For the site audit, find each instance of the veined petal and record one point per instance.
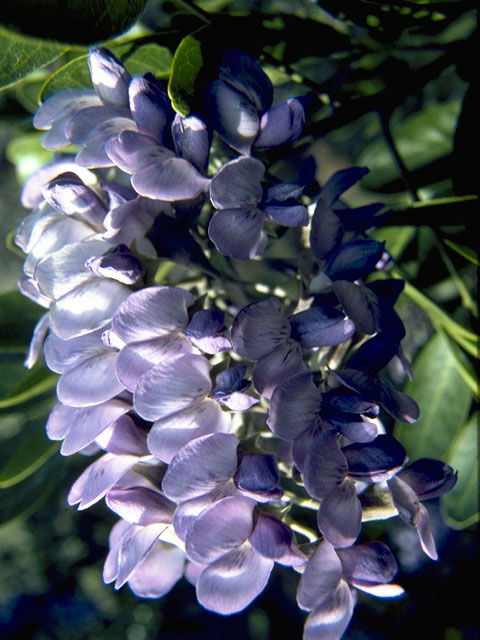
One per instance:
(330, 619)
(171, 180)
(278, 365)
(200, 466)
(150, 106)
(273, 539)
(140, 505)
(238, 233)
(159, 572)
(123, 437)
(87, 308)
(132, 151)
(258, 329)
(321, 326)
(325, 466)
(237, 184)
(62, 102)
(371, 562)
(61, 355)
(375, 461)
(173, 432)
(320, 578)
(191, 140)
(99, 478)
(219, 529)
(172, 386)
(135, 547)
(340, 515)
(88, 423)
(89, 122)
(152, 312)
(281, 124)
(229, 584)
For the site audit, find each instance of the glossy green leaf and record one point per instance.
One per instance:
(420, 139)
(33, 383)
(28, 496)
(461, 504)
(80, 21)
(444, 401)
(33, 452)
(187, 64)
(15, 333)
(21, 55)
(27, 154)
(150, 57)
(467, 252)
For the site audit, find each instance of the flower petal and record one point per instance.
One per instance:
(238, 233)
(159, 572)
(281, 124)
(236, 185)
(329, 620)
(320, 578)
(258, 329)
(340, 515)
(325, 466)
(140, 505)
(172, 179)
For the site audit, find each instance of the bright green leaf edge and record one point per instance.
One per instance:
(26, 460)
(186, 65)
(466, 252)
(36, 382)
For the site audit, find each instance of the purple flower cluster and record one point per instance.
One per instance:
(157, 378)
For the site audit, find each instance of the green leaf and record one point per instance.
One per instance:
(466, 252)
(461, 504)
(150, 57)
(79, 21)
(75, 74)
(444, 401)
(187, 64)
(33, 453)
(22, 55)
(31, 384)
(420, 139)
(27, 154)
(27, 496)
(15, 333)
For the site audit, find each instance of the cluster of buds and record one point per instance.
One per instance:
(215, 418)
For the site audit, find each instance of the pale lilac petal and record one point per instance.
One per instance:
(89, 122)
(188, 511)
(59, 422)
(325, 466)
(236, 185)
(31, 195)
(219, 529)
(123, 437)
(132, 151)
(117, 533)
(320, 578)
(99, 478)
(168, 435)
(340, 515)
(200, 466)
(172, 179)
(61, 355)
(172, 386)
(205, 330)
(238, 233)
(138, 357)
(68, 100)
(381, 590)
(422, 524)
(294, 406)
(329, 620)
(159, 572)
(36, 343)
(258, 329)
(283, 123)
(88, 423)
(109, 76)
(234, 580)
(87, 308)
(140, 505)
(275, 367)
(152, 312)
(90, 382)
(135, 547)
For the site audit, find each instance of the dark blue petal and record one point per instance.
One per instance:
(245, 73)
(230, 380)
(375, 461)
(360, 303)
(238, 233)
(237, 184)
(429, 478)
(191, 140)
(276, 366)
(371, 562)
(363, 218)
(347, 402)
(288, 216)
(258, 329)
(282, 124)
(256, 473)
(340, 182)
(321, 327)
(151, 108)
(325, 466)
(326, 232)
(354, 259)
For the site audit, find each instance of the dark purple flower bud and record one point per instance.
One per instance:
(429, 478)
(119, 264)
(321, 327)
(257, 476)
(205, 331)
(360, 303)
(372, 562)
(350, 403)
(340, 515)
(340, 182)
(281, 124)
(258, 329)
(229, 385)
(325, 465)
(109, 77)
(360, 219)
(326, 231)
(375, 461)
(70, 196)
(151, 108)
(191, 140)
(273, 539)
